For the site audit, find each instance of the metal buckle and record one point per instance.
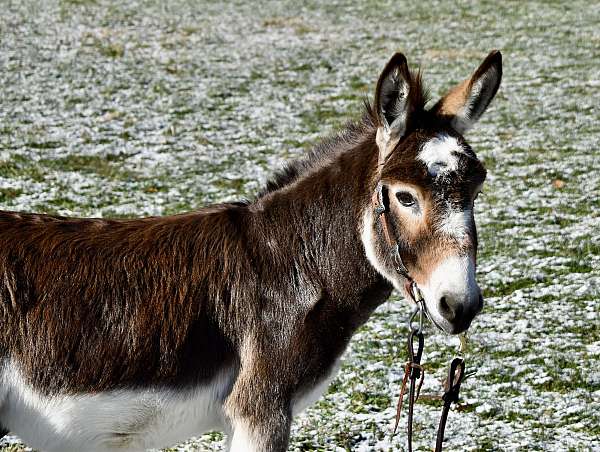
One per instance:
(400, 267)
(379, 208)
(416, 293)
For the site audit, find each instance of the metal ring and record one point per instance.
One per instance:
(417, 310)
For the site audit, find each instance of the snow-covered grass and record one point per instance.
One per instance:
(140, 108)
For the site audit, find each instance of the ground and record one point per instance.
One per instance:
(142, 108)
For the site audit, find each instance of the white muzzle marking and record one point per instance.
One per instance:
(451, 294)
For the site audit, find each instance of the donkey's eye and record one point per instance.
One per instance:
(406, 199)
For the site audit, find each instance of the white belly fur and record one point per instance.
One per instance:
(126, 420)
(132, 420)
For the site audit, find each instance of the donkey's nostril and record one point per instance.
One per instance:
(449, 310)
(444, 308)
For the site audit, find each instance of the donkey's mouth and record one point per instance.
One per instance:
(452, 328)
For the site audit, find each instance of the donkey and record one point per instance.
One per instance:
(139, 333)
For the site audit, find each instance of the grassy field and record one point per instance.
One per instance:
(142, 108)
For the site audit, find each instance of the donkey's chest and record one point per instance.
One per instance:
(131, 420)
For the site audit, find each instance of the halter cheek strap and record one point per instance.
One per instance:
(379, 209)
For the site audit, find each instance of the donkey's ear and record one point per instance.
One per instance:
(465, 103)
(392, 103)
(391, 94)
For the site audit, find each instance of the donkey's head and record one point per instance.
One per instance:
(429, 178)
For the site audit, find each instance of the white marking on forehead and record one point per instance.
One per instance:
(439, 154)
(457, 223)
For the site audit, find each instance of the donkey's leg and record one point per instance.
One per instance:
(258, 407)
(260, 416)
(254, 435)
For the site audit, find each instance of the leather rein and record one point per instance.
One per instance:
(413, 370)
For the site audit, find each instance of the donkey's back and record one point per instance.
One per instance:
(103, 322)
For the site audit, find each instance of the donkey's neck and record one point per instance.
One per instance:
(313, 227)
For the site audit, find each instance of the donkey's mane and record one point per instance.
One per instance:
(350, 135)
(353, 133)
